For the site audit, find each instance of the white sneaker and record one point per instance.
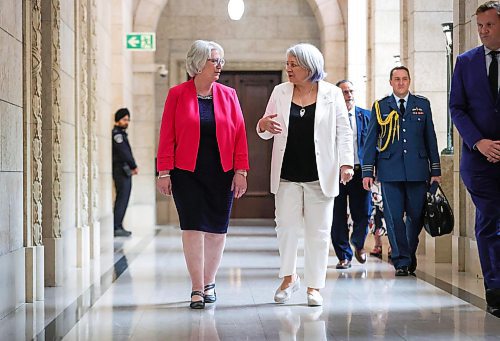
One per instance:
(281, 296)
(314, 298)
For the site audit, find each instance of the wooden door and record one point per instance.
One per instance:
(254, 90)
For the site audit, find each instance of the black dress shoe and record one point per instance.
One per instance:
(360, 255)
(402, 272)
(122, 233)
(493, 311)
(493, 298)
(343, 264)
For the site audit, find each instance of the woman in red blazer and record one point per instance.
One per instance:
(203, 162)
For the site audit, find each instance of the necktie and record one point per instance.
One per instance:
(493, 74)
(402, 106)
(350, 119)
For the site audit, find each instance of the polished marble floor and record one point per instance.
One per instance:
(145, 296)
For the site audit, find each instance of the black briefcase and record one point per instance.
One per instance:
(438, 215)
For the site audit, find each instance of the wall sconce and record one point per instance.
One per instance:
(235, 9)
(448, 32)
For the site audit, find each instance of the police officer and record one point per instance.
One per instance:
(401, 150)
(359, 198)
(124, 167)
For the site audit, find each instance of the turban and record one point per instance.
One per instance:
(121, 113)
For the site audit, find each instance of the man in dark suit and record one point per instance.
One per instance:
(475, 110)
(359, 198)
(124, 167)
(401, 147)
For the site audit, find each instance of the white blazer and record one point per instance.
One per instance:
(332, 134)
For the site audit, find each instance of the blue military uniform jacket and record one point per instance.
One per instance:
(123, 160)
(411, 156)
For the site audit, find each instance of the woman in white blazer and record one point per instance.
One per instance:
(307, 117)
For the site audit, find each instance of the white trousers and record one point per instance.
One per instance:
(303, 205)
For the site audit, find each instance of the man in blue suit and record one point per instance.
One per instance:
(475, 110)
(359, 198)
(401, 150)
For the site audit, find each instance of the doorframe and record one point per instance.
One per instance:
(177, 67)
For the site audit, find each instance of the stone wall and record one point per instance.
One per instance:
(383, 45)
(11, 155)
(11, 123)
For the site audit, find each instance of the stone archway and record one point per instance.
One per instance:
(331, 16)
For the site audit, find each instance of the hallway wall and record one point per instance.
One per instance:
(55, 132)
(11, 156)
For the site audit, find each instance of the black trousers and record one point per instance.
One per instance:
(123, 186)
(359, 206)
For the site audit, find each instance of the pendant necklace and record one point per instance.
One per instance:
(303, 109)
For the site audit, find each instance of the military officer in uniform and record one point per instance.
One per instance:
(353, 191)
(124, 167)
(401, 151)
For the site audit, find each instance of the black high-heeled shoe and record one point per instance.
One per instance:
(197, 304)
(210, 298)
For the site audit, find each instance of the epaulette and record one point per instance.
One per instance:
(422, 97)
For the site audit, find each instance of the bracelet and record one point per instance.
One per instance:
(163, 176)
(242, 172)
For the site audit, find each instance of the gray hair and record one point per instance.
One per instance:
(487, 6)
(198, 54)
(339, 83)
(310, 58)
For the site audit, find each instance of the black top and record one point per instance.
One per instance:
(208, 159)
(122, 153)
(299, 162)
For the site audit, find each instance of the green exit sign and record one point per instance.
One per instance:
(141, 41)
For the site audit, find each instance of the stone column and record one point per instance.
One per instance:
(356, 42)
(423, 51)
(143, 126)
(94, 223)
(51, 136)
(33, 151)
(82, 133)
(383, 45)
(465, 258)
(333, 27)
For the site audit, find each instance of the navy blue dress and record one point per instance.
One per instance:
(204, 198)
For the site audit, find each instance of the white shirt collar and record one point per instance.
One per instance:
(398, 98)
(487, 50)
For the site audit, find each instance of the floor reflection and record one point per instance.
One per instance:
(301, 323)
(203, 326)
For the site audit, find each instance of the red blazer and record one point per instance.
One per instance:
(180, 129)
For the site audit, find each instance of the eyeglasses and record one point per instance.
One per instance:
(290, 65)
(217, 61)
(347, 92)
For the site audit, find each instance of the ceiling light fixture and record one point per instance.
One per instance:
(235, 9)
